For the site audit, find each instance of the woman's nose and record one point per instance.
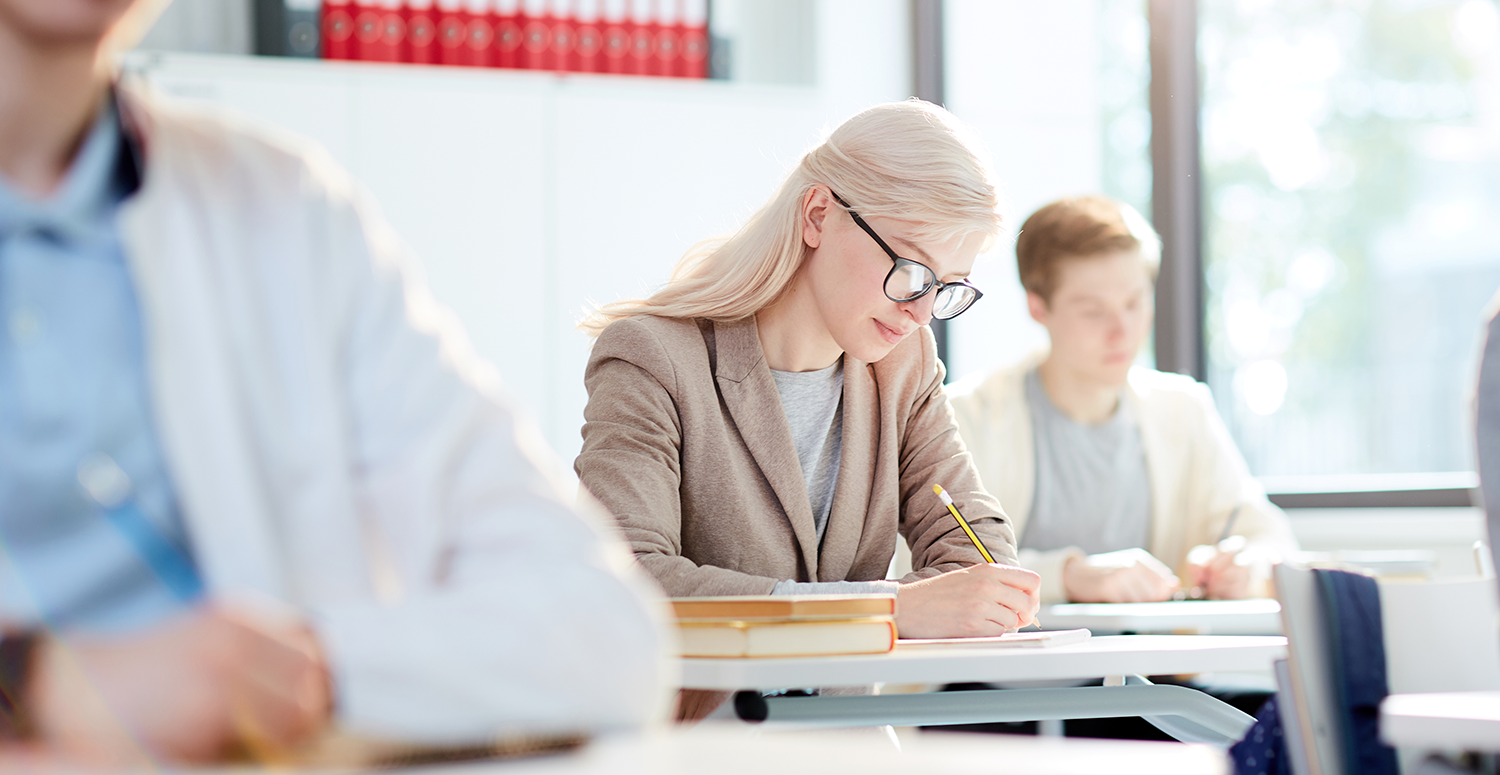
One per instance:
(919, 309)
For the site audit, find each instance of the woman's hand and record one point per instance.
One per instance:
(1126, 576)
(975, 601)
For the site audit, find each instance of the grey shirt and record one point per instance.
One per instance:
(1092, 489)
(814, 406)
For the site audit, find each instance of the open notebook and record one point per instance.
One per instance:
(1010, 639)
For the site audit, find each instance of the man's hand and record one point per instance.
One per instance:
(1223, 571)
(189, 690)
(1126, 576)
(974, 601)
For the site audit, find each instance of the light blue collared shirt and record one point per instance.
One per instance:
(90, 533)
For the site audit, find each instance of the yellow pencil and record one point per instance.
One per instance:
(969, 531)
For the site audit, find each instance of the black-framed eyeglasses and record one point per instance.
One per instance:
(911, 280)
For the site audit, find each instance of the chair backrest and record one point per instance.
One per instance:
(1318, 727)
(1438, 636)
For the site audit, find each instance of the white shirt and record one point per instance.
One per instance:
(337, 446)
(1197, 476)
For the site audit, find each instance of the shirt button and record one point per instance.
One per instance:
(24, 326)
(104, 480)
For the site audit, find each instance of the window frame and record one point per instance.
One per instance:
(1177, 207)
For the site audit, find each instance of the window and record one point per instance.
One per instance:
(1351, 214)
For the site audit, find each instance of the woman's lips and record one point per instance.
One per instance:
(890, 334)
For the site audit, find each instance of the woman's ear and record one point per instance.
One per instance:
(816, 205)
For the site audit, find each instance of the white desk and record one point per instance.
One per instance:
(1120, 660)
(1466, 721)
(1097, 657)
(819, 753)
(706, 749)
(1203, 617)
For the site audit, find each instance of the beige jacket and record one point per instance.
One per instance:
(1197, 474)
(685, 441)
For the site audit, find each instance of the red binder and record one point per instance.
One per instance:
(508, 33)
(536, 35)
(393, 46)
(668, 27)
(643, 60)
(337, 25)
(421, 32)
(367, 29)
(479, 47)
(588, 37)
(563, 51)
(452, 31)
(693, 46)
(616, 18)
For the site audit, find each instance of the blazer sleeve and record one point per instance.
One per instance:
(498, 604)
(933, 453)
(631, 459)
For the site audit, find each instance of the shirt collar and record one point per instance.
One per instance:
(103, 173)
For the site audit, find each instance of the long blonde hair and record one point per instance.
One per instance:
(911, 161)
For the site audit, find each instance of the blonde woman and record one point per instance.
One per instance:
(773, 418)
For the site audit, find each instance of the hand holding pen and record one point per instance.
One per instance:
(1217, 571)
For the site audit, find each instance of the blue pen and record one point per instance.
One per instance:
(110, 487)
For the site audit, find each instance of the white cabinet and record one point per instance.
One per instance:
(527, 196)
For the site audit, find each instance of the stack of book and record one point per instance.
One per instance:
(630, 37)
(786, 625)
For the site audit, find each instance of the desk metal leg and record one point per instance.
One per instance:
(1214, 721)
(1185, 714)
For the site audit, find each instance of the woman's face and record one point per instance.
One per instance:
(845, 276)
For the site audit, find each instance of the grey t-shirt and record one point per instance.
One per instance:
(1092, 489)
(814, 406)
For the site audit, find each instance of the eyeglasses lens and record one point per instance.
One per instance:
(952, 300)
(907, 282)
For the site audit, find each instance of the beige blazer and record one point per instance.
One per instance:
(685, 441)
(1197, 475)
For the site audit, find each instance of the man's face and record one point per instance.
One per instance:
(64, 22)
(1099, 315)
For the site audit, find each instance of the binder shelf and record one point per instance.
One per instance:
(666, 38)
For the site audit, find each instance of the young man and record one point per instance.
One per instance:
(252, 481)
(1112, 474)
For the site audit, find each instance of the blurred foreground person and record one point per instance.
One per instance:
(253, 484)
(1123, 482)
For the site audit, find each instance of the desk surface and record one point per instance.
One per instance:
(1467, 721)
(1206, 617)
(1097, 657)
(736, 752)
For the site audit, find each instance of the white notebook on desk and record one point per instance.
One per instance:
(1008, 640)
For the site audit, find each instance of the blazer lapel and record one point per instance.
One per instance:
(851, 494)
(750, 395)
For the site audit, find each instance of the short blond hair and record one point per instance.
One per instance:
(1077, 228)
